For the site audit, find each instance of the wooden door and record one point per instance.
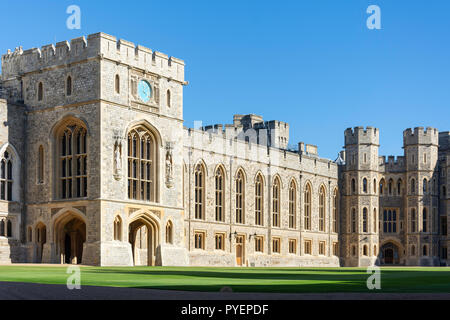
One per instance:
(239, 250)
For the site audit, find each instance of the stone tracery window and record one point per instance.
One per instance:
(322, 208)
(276, 202)
(240, 193)
(307, 204)
(142, 165)
(335, 211)
(6, 177)
(199, 185)
(72, 144)
(259, 209)
(292, 205)
(220, 194)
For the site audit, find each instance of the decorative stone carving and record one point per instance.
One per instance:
(169, 165)
(117, 156)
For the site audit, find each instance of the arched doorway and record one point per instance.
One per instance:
(41, 239)
(390, 254)
(144, 239)
(70, 236)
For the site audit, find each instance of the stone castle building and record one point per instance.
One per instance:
(97, 168)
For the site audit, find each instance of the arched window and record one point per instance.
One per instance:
(364, 220)
(399, 187)
(6, 177)
(425, 183)
(381, 186)
(2, 228)
(353, 229)
(240, 193)
(69, 86)
(40, 172)
(413, 186)
(276, 202)
(292, 205)
(390, 186)
(353, 186)
(118, 228)
(9, 229)
(259, 207)
(307, 205)
(335, 211)
(413, 220)
(365, 185)
(169, 232)
(199, 184)
(375, 186)
(375, 250)
(169, 97)
(142, 165)
(40, 91)
(220, 194)
(425, 220)
(365, 253)
(117, 84)
(322, 208)
(72, 161)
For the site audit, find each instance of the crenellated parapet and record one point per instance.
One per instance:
(392, 164)
(361, 135)
(18, 62)
(420, 135)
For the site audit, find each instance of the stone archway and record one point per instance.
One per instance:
(390, 254)
(144, 240)
(70, 236)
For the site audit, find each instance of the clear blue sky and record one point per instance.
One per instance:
(312, 63)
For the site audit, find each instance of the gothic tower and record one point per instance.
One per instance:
(360, 206)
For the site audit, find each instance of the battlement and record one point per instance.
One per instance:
(428, 136)
(18, 62)
(444, 141)
(361, 135)
(392, 164)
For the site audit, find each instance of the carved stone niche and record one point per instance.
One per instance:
(117, 154)
(169, 165)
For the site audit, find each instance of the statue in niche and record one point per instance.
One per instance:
(169, 165)
(118, 160)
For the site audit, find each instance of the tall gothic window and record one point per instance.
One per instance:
(142, 165)
(365, 185)
(425, 184)
(199, 183)
(6, 177)
(424, 220)
(322, 206)
(335, 211)
(364, 220)
(169, 232)
(390, 221)
(40, 91)
(259, 192)
(69, 86)
(169, 98)
(307, 205)
(117, 83)
(399, 187)
(413, 220)
(118, 228)
(353, 220)
(374, 220)
(276, 202)
(292, 205)
(413, 186)
(40, 172)
(220, 194)
(73, 162)
(240, 193)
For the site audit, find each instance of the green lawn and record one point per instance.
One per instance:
(240, 279)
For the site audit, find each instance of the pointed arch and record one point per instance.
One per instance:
(118, 228)
(168, 98)
(240, 195)
(276, 201)
(335, 210)
(68, 86)
(199, 190)
(219, 180)
(292, 204)
(322, 207)
(307, 196)
(259, 199)
(10, 173)
(169, 232)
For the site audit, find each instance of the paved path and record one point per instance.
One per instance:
(32, 291)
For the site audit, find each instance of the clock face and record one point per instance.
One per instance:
(144, 91)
